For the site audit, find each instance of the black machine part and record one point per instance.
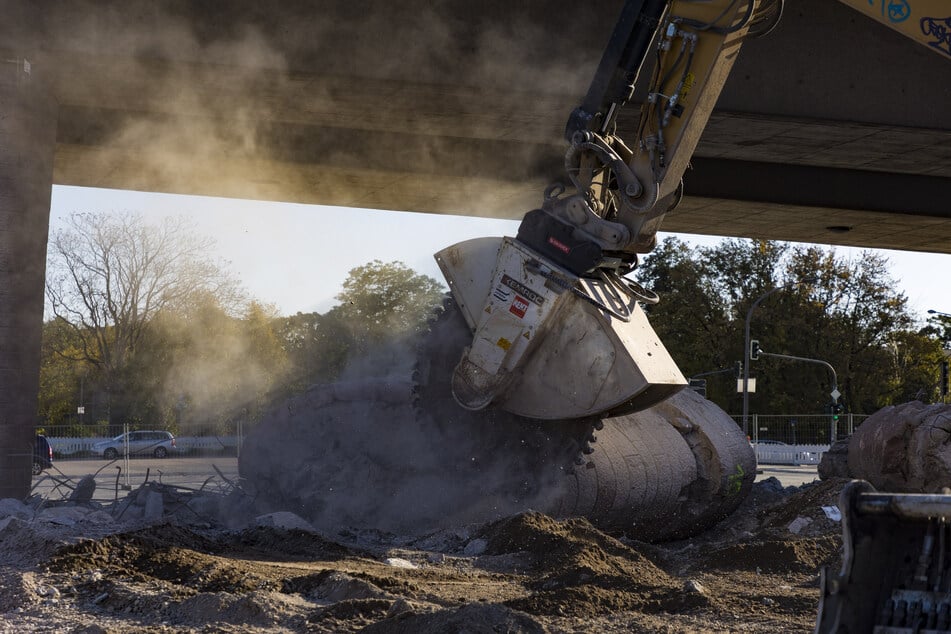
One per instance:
(896, 569)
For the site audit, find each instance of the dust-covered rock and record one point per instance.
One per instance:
(904, 448)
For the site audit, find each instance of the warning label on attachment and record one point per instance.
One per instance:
(519, 306)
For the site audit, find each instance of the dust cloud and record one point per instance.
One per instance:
(388, 448)
(307, 102)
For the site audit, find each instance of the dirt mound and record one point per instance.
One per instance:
(582, 569)
(350, 615)
(277, 543)
(805, 555)
(568, 545)
(811, 506)
(475, 618)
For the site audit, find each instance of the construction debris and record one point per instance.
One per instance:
(210, 561)
(902, 448)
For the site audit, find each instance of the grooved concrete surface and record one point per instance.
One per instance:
(831, 121)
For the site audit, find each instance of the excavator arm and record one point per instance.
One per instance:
(557, 329)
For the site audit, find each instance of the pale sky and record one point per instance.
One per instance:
(297, 256)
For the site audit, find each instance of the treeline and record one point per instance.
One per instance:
(847, 312)
(145, 330)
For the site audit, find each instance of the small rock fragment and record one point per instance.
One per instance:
(796, 526)
(154, 506)
(398, 562)
(285, 520)
(694, 587)
(84, 490)
(11, 507)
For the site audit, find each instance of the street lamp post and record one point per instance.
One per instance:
(946, 344)
(746, 347)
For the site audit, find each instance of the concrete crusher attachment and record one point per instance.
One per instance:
(395, 452)
(896, 569)
(548, 344)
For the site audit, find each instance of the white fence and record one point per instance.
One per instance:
(778, 453)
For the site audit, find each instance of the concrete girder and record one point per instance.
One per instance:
(459, 108)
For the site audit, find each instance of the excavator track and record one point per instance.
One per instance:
(393, 451)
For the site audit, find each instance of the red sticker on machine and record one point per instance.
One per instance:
(519, 306)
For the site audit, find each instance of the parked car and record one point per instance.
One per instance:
(140, 443)
(42, 454)
(778, 452)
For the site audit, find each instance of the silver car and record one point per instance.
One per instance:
(778, 452)
(140, 443)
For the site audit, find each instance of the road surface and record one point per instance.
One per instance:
(787, 474)
(114, 478)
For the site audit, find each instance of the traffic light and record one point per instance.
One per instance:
(836, 409)
(754, 349)
(738, 370)
(944, 379)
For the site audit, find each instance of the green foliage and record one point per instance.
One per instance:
(201, 362)
(939, 327)
(108, 277)
(317, 347)
(847, 313)
(382, 302)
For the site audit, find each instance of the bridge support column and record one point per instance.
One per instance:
(27, 144)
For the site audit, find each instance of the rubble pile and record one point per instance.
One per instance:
(163, 558)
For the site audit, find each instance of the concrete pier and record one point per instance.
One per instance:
(27, 144)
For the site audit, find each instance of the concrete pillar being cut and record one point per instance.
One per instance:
(27, 143)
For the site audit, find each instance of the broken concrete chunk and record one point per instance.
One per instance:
(475, 548)
(285, 520)
(398, 562)
(84, 490)
(796, 526)
(154, 506)
(10, 507)
(694, 587)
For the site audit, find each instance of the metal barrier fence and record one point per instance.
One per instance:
(801, 429)
(76, 443)
(796, 439)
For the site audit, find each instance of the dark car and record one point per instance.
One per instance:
(42, 455)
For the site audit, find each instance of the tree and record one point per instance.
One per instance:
(386, 301)
(204, 367)
(109, 275)
(60, 378)
(692, 318)
(939, 327)
(317, 347)
(845, 312)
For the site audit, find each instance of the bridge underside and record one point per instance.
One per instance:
(832, 129)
